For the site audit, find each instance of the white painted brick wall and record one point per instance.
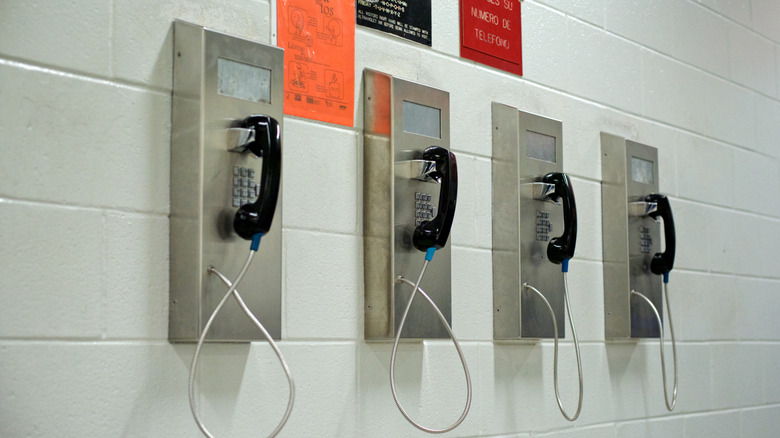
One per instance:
(737, 10)
(764, 14)
(85, 136)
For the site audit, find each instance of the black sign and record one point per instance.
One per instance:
(410, 19)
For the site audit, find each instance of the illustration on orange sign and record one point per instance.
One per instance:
(318, 38)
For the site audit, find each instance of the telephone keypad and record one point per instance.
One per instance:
(423, 209)
(543, 226)
(245, 188)
(645, 240)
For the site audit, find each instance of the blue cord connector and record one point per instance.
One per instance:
(256, 241)
(666, 277)
(429, 253)
(565, 265)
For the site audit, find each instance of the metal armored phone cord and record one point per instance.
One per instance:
(669, 405)
(574, 337)
(234, 292)
(428, 258)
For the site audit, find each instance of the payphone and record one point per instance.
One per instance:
(633, 212)
(226, 163)
(534, 232)
(410, 186)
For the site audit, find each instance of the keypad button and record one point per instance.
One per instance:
(251, 173)
(236, 181)
(236, 170)
(244, 171)
(236, 191)
(251, 183)
(236, 202)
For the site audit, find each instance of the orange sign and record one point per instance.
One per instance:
(318, 38)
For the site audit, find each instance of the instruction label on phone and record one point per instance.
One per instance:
(318, 38)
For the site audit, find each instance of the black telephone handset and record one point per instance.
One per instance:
(562, 248)
(663, 261)
(254, 218)
(434, 233)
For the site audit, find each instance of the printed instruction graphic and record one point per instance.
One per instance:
(318, 38)
(298, 72)
(297, 21)
(334, 27)
(335, 83)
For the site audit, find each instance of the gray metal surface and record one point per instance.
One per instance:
(629, 241)
(389, 207)
(201, 233)
(522, 227)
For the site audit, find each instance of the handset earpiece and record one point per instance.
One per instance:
(254, 218)
(434, 233)
(663, 262)
(562, 248)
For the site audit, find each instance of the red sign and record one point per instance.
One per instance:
(490, 33)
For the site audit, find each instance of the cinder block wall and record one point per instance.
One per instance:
(85, 135)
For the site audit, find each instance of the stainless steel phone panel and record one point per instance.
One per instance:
(522, 227)
(202, 185)
(629, 239)
(390, 204)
